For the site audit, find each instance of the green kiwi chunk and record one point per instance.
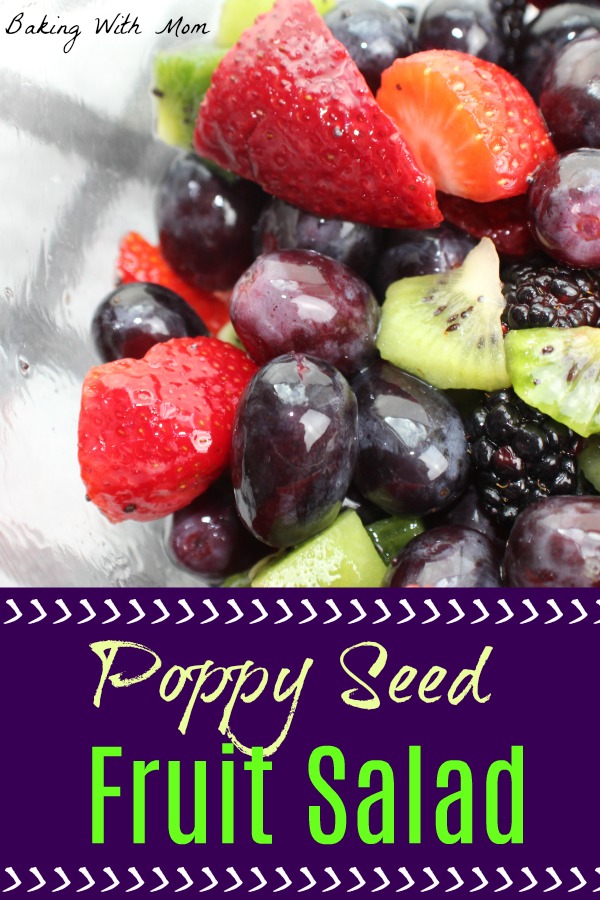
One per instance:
(446, 328)
(237, 15)
(181, 79)
(228, 335)
(390, 535)
(341, 555)
(557, 370)
(588, 461)
(241, 579)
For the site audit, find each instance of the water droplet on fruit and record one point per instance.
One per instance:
(201, 441)
(141, 397)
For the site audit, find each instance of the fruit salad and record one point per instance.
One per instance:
(366, 350)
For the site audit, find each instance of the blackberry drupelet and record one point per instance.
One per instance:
(545, 294)
(518, 455)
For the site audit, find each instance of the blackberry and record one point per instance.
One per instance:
(545, 294)
(518, 455)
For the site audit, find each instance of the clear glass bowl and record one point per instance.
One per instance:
(78, 168)
(78, 165)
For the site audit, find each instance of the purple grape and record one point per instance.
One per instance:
(408, 252)
(412, 455)
(546, 34)
(469, 512)
(447, 556)
(137, 315)
(570, 97)
(298, 300)
(555, 543)
(374, 34)
(208, 537)
(564, 207)
(205, 223)
(282, 226)
(294, 449)
(470, 26)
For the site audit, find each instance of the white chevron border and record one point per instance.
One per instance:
(373, 881)
(253, 612)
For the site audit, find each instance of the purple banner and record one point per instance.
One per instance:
(403, 742)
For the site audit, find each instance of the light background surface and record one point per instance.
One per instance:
(78, 165)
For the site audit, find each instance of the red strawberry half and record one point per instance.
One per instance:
(470, 124)
(141, 261)
(155, 432)
(288, 108)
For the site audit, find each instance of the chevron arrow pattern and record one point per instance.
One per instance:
(427, 880)
(302, 612)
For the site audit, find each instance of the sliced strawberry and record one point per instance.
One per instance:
(288, 108)
(504, 221)
(155, 432)
(141, 261)
(470, 124)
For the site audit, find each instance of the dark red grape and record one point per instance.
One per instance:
(294, 449)
(469, 511)
(282, 226)
(570, 97)
(408, 252)
(205, 223)
(447, 556)
(471, 26)
(374, 34)
(412, 455)
(299, 300)
(544, 36)
(208, 537)
(137, 315)
(555, 543)
(564, 207)
(504, 221)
